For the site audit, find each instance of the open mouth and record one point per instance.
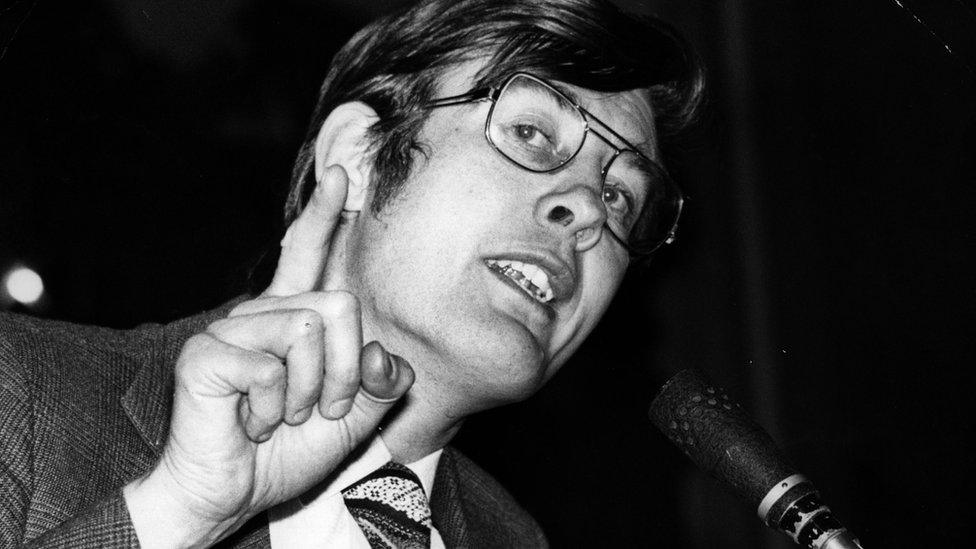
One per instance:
(531, 278)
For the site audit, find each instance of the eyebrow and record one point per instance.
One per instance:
(645, 144)
(575, 99)
(649, 151)
(548, 93)
(653, 170)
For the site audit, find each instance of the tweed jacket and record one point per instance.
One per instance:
(83, 410)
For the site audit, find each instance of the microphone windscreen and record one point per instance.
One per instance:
(714, 431)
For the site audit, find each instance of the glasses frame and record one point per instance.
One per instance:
(492, 93)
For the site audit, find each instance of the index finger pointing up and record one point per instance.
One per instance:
(305, 247)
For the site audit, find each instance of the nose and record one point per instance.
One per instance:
(577, 212)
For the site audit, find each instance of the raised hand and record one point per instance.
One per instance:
(269, 400)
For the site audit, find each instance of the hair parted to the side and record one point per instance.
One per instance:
(394, 64)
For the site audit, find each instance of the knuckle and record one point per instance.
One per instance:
(305, 321)
(270, 373)
(241, 309)
(200, 353)
(197, 347)
(249, 306)
(218, 326)
(339, 304)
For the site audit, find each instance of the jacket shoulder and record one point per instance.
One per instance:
(82, 407)
(38, 344)
(65, 442)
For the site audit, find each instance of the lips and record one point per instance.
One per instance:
(542, 277)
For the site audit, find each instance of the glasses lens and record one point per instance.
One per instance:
(534, 125)
(540, 129)
(643, 202)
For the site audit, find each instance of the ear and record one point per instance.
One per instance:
(343, 141)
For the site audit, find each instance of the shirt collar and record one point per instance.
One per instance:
(372, 457)
(425, 468)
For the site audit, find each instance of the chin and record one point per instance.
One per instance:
(510, 368)
(480, 355)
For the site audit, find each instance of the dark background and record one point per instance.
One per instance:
(823, 276)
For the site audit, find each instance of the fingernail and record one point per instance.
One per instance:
(302, 415)
(339, 408)
(402, 364)
(388, 367)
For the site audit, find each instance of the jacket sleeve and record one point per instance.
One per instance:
(105, 524)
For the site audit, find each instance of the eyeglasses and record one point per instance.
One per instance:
(539, 128)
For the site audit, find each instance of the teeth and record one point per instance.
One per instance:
(529, 277)
(538, 278)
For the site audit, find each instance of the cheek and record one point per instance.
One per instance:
(432, 228)
(601, 276)
(460, 192)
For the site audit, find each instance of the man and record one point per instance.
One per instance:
(477, 179)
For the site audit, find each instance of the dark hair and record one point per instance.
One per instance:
(394, 64)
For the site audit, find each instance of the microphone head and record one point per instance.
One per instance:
(714, 431)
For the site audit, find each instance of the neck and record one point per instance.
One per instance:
(412, 431)
(423, 421)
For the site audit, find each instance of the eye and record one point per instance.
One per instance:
(612, 196)
(525, 132)
(620, 204)
(530, 141)
(529, 134)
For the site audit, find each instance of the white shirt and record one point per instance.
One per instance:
(325, 521)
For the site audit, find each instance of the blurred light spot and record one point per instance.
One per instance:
(24, 285)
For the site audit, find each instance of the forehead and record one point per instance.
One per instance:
(628, 113)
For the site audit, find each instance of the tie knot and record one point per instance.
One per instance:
(391, 508)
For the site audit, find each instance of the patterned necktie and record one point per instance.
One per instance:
(391, 508)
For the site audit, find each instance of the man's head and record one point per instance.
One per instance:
(394, 63)
(454, 228)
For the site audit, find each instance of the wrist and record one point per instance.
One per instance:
(163, 520)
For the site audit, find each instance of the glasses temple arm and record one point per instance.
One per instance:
(482, 94)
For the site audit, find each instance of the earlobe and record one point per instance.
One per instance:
(343, 140)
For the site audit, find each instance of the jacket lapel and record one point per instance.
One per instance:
(149, 399)
(446, 507)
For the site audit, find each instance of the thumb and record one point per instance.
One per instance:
(385, 378)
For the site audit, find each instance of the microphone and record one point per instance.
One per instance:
(719, 437)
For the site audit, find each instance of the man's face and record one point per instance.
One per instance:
(425, 269)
